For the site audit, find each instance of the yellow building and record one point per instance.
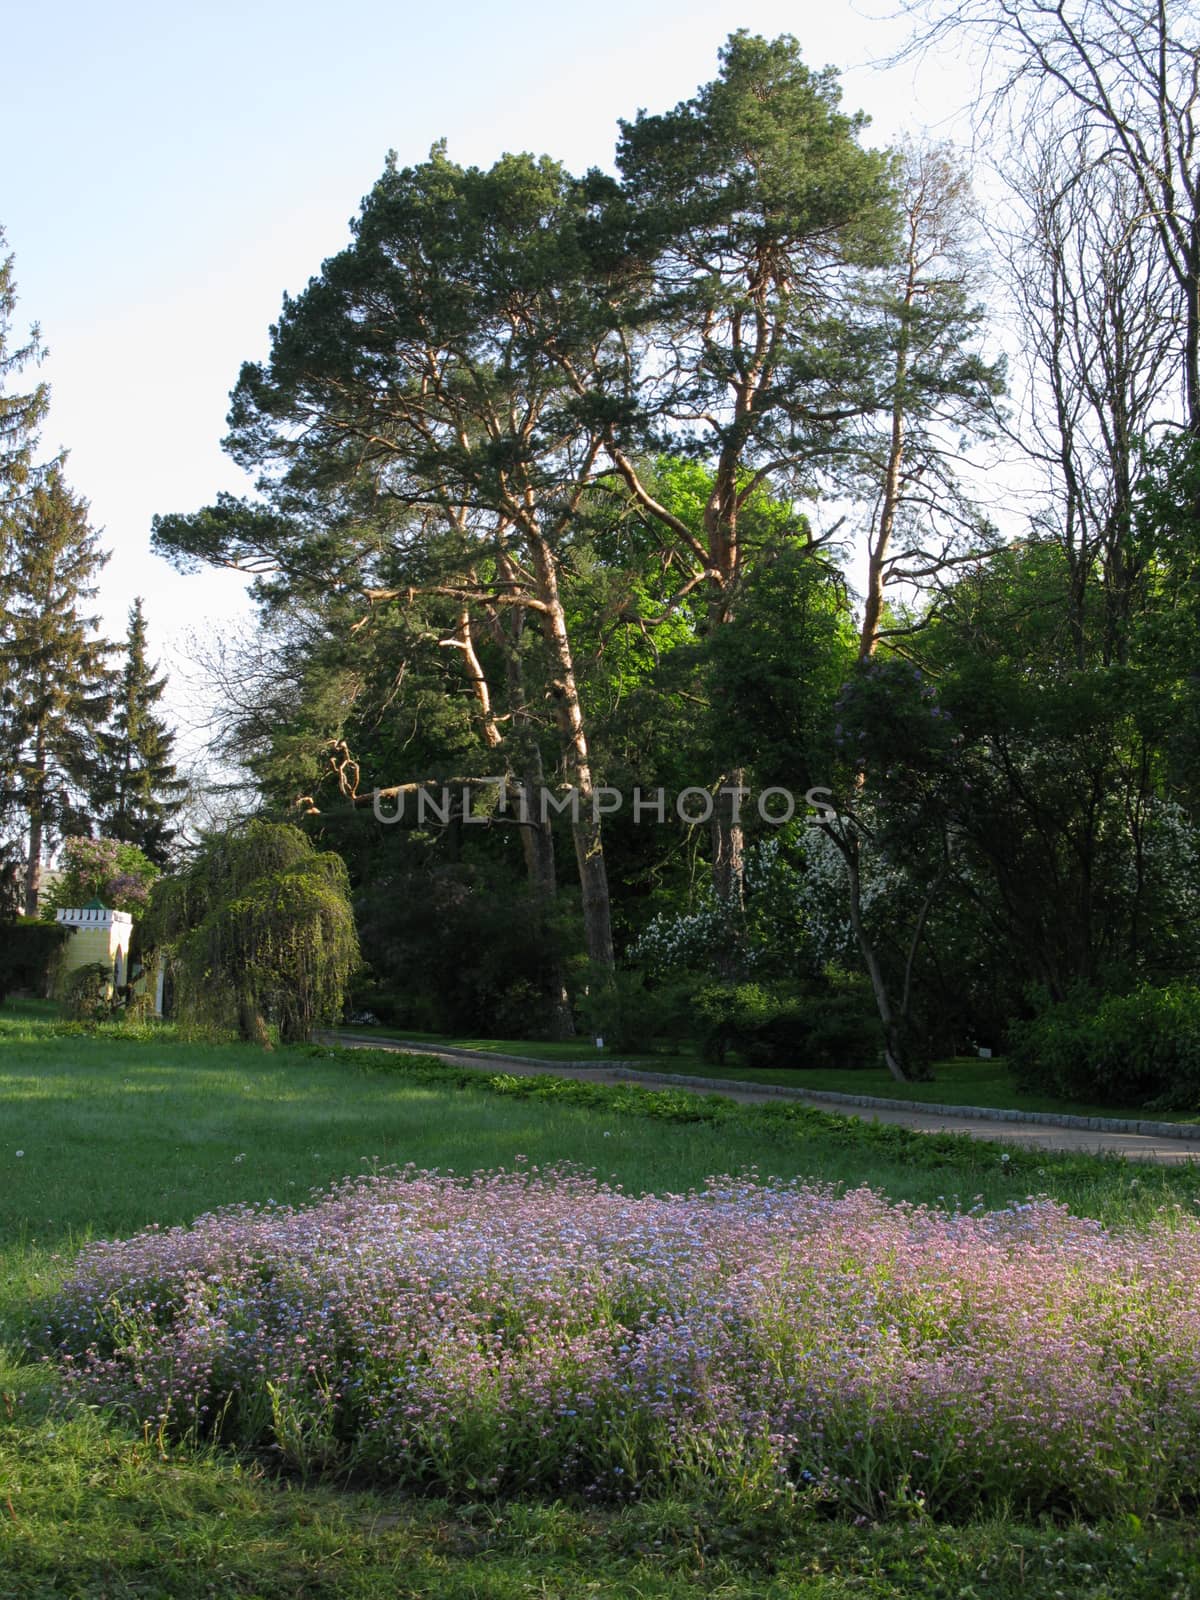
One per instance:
(98, 935)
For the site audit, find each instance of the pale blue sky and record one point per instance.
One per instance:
(178, 168)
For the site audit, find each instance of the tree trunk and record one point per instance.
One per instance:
(593, 879)
(721, 531)
(537, 836)
(585, 823)
(1191, 338)
(33, 862)
(893, 1032)
(729, 843)
(252, 1025)
(889, 504)
(537, 843)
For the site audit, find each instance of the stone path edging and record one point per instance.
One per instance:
(666, 1080)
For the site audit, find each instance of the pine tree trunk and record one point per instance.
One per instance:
(728, 843)
(537, 837)
(890, 501)
(37, 800)
(537, 842)
(593, 880)
(585, 823)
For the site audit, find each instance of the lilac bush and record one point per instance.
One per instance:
(120, 875)
(529, 1331)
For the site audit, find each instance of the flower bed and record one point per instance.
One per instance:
(541, 1332)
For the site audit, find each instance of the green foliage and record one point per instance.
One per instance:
(259, 928)
(87, 993)
(28, 951)
(57, 693)
(20, 414)
(522, 291)
(137, 790)
(1139, 1049)
(459, 946)
(893, 728)
(632, 1014)
(830, 1027)
(760, 160)
(1167, 536)
(119, 875)
(774, 669)
(692, 353)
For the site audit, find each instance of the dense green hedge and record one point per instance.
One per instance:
(27, 948)
(1139, 1049)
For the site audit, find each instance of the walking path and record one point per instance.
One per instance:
(1166, 1142)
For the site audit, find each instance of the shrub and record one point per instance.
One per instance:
(843, 1029)
(828, 1027)
(631, 1014)
(87, 994)
(138, 1010)
(27, 954)
(393, 1008)
(1140, 1049)
(733, 1014)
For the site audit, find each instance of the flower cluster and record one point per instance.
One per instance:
(822, 898)
(687, 939)
(541, 1331)
(769, 931)
(118, 874)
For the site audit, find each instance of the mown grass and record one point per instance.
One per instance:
(964, 1081)
(574, 1050)
(118, 1132)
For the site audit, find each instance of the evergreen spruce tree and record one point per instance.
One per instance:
(138, 791)
(21, 414)
(61, 686)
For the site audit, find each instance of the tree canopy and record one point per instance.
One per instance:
(557, 482)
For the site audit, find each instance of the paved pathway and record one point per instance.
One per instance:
(1046, 1135)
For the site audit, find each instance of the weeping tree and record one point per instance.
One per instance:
(258, 929)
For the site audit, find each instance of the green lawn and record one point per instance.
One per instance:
(116, 1132)
(966, 1081)
(571, 1050)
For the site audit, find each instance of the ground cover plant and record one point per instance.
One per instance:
(123, 1127)
(545, 1333)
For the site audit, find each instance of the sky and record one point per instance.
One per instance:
(180, 167)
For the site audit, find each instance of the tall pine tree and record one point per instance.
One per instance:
(61, 686)
(138, 791)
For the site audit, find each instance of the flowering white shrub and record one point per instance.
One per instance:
(770, 932)
(685, 940)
